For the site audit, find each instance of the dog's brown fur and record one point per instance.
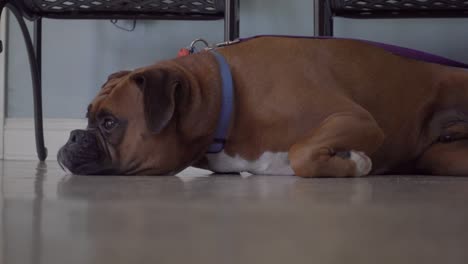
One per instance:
(311, 98)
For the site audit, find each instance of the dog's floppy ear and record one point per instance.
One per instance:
(160, 88)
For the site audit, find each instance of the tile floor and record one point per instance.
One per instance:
(49, 217)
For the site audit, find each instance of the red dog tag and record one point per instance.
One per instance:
(183, 52)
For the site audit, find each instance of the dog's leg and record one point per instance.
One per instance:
(450, 159)
(339, 147)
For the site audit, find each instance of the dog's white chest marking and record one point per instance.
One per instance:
(268, 163)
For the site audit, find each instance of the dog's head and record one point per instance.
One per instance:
(138, 124)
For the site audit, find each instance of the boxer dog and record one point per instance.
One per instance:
(305, 107)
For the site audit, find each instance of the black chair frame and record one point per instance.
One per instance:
(325, 10)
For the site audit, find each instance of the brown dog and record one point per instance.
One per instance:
(309, 107)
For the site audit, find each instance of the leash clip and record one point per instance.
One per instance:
(210, 47)
(227, 43)
(192, 48)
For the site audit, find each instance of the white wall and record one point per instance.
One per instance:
(446, 37)
(79, 55)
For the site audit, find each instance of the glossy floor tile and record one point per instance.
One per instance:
(49, 217)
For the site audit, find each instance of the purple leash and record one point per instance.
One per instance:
(397, 50)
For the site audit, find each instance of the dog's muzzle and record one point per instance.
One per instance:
(83, 154)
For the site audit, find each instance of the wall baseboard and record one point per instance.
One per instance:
(19, 141)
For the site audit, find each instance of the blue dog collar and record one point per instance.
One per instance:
(226, 105)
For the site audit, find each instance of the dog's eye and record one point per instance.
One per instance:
(109, 123)
(446, 138)
(450, 138)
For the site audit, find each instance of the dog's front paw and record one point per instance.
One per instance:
(362, 161)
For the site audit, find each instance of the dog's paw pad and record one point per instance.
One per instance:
(362, 161)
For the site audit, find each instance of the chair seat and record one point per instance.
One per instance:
(404, 8)
(122, 9)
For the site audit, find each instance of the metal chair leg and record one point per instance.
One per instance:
(323, 19)
(317, 17)
(38, 116)
(2, 7)
(38, 45)
(231, 20)
(36, 79)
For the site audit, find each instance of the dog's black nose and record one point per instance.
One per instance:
(78, 136)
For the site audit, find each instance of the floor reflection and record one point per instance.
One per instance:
(36, 240)
(50, 217)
